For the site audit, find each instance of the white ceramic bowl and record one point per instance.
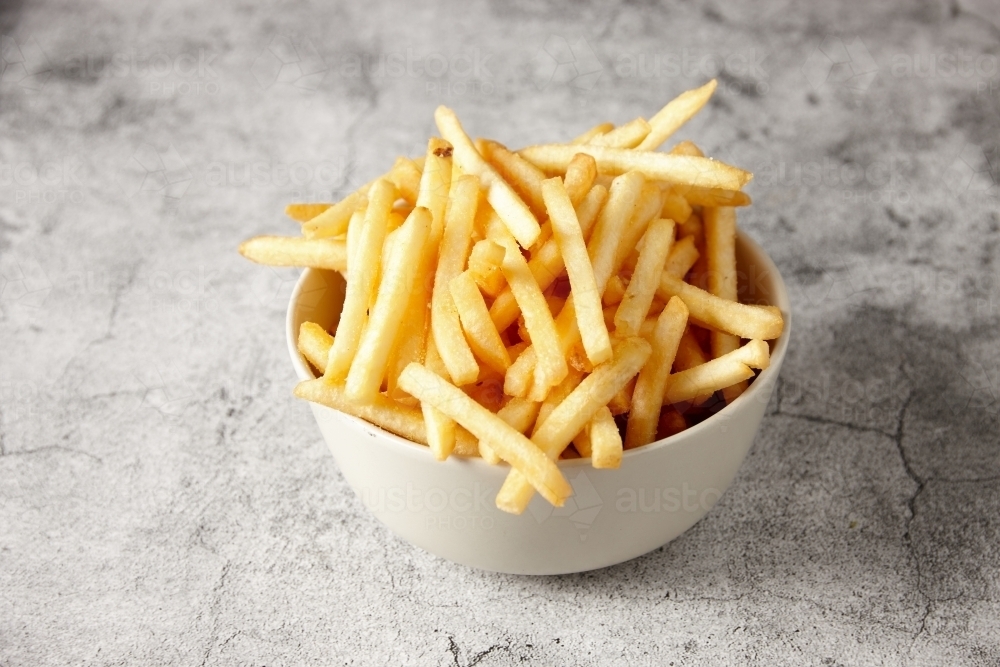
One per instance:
(446, 507)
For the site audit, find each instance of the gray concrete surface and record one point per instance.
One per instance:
(164, 499)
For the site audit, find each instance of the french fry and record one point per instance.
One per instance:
(354, 232)
(330, 254)
(587, 298)
(439, 427)
(445, 325)
(675, 206)
(520, 414)
(621, 402)
(314, 344)
(720, 251)
(479, 330)
(679, 169)
(511, 208)
(557, 396)
(524, 177)
(605, 440)
(647, 209)
(547, 263)
(610, 226)
(677, 112)
(524, 456)
(517, 381)
(369, 364)
(385, 413)
(537, 317)
(683, 255)
(362, 271)
(484, 266)
(629, 135)
(689, 355)
(406, 176)
(333, 221)
(687, 147)
(718, 373)
(435, 184)
(642, 287)
(671, 423)
(739, 319)
(613, 295)
(702, 196)
(580, 175)
(647, 398)
(305, 212)
(593, 133)
(572, 415)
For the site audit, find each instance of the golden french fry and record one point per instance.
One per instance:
(593, 133)
(480, 332)
(605, 440)
(537, 317)
(557, 395)
(682, 257)
(687, 147)
(517, 381)
(703, 196)
(524, 177)
(613, 295)
(629, 135)
(679, 169)
(385, 413)
(370, 362)
(406, 176)
(435, 184)
(305, 212)
(720, 252)
(647, 398)
(740, 319)
(333, 221)
(572, 415)
(314, 344)
(647, 209)
(484, 265)
(675, 206)
(445, 325)
(642, 287)
(719, 373)
(621, 402)
(520, 414)
(523, 455)
(511, 208)
(362, 271)
(440, 428)
(610, 226)
(330, 254)
(354, 232)
(677, 112)
(587, 297)
(580, 175)
(546, 263)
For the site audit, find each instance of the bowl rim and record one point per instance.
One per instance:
(779, 298)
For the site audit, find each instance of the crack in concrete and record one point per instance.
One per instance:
(456, 650)
(49, 448)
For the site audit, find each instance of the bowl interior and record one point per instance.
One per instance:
(319, 295)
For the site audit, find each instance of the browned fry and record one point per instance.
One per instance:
(720, 251)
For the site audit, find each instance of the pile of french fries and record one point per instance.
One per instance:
(565, 300)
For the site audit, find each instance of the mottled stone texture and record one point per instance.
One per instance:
(165, 501)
